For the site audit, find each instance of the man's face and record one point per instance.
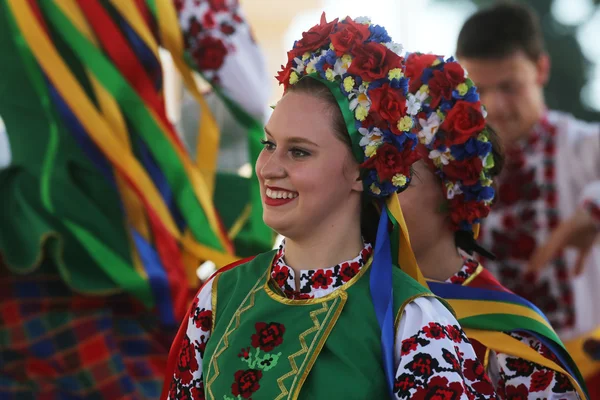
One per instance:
(511, 89)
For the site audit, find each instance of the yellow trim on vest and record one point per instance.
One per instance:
(213, 300)
(403, 306)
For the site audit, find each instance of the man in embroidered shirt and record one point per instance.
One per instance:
(550, 181)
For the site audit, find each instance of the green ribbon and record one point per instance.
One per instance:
(139, 114)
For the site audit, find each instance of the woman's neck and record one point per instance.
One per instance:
(440, 261)
(324, 249)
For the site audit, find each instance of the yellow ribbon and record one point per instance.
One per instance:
(208, 130)
(406, 257)
(474, 308)
(503, 343)
(97, 126)
(587, 366)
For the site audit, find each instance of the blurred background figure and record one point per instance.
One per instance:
(549, 191)
(106, 208)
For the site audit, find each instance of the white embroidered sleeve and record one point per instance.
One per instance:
(519, 378)
(434, 357)
(187, 380)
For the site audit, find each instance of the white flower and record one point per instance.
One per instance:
(367, 135)
(421, 95)
(440, 158)
(363, 20)
(429, 128)
(453, 189)
(395, 47)
(414, 105)
(299, 66)
(359, 98)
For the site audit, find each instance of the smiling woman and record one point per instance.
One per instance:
(339, 143)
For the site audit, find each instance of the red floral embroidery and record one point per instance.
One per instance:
(540, 380)
(348, 270)
(408, 345)
(450, 359)
(454, 333)
(475, 371)
(188, 364)
(439, 388)
(468, 269)
(517, 392)
(519, 366)
(403, 385)
(322, 279)
(423, 365)
(246, 382)
(268, 336)
(434, 331)
(203, 319)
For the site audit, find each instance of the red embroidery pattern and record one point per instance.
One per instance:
(468, 269)
(526, 207)
(448, 377)
(319, 279)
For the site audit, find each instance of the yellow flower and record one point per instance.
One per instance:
(424, 89)
(395, 73)
(305, 56)
(405, 123)
(371, 150)
(293, 78)
(399, 180)
(310, 68)
(346, 58)
(330, 75)
(436, 62)
(361, 113)
(331, 46)
(462, 89)
(349, 84)
(375, 189)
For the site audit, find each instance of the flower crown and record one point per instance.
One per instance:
(362, 66)
(453, 136)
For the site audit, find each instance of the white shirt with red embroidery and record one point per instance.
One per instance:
(517, 378)
(544, 181)
(433, 357)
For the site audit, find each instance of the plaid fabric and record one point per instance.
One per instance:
(55, 344)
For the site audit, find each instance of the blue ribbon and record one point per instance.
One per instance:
(381, 285)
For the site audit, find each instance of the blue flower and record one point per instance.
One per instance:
(319, 66)
(401, 83)
(331, 57)
(471, 96)
(378, 34)
(471, 148)
(426, 75)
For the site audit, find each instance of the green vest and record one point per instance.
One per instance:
(265, 346)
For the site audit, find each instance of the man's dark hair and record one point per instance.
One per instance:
(499, 31)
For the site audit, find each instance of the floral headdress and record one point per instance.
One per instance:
(365, 71)
(453, 136)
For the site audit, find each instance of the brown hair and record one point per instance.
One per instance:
(369, 216)
(500, 30)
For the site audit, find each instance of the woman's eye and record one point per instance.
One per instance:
(268, 145)
(298, 153)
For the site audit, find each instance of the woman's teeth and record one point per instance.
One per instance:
(280, 194)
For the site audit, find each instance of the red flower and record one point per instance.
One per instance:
(197, 393)
(373, 61)
(454, 333)
(415, 64)
(540, 380)
(267, 337)
(461, 210)
(408, 345)
(195, 28)
(280, 275)
(434, 331)
(210, 53)
(423, 365)
(388, 161)
(322, 279)
(389, 104)
(520, 366)
(349, 270)
(454, 72)
(178, 4)
(473, 370)
(523, 246)
(316, 36)
(203, 319)
(187, 363)
(403, 384)
(348, 35)
(450, 359)
(439, 388)
(244, 353)
(464, 121)
(218, 5)
(173, 389)
(246, 382)
(468, 171)
(227, 29)
(283, 75)
(439, 87)
(517, 393)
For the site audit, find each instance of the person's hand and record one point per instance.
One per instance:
(579, 232)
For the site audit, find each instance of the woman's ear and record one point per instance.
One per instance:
(357, 186)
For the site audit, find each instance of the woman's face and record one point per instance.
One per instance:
(421, 202)
(308, 176)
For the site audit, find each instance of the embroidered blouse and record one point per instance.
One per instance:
(516, 377)
(433, 356)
